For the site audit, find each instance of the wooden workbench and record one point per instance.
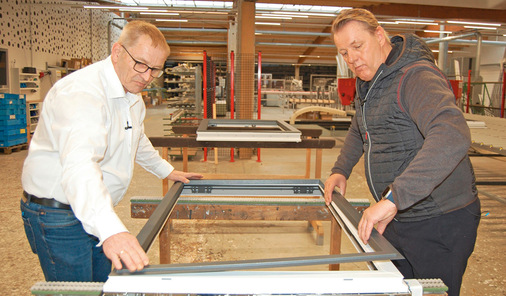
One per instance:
(310, 140)
(142, 208)
(302, 209)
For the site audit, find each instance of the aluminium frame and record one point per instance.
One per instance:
(382, 274)
(249, 130)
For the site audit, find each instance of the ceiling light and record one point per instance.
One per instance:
(271, 24)
(158, 13)
(158, 10)
(473, 23)
(199, 11)
(416, 23)
(436, 50)
(272, 17)
(172, 20)
(132, 8)
(100, 7)
(284, 15)
(389, 23)
(434, 31)
(478, 27)
(311, 13)
(415, 20)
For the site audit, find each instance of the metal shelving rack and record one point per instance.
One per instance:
(185, 88)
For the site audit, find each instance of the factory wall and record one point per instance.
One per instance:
(40, 34)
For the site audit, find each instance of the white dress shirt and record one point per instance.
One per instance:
(89, 134)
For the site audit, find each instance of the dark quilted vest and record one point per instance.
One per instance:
(391, 139)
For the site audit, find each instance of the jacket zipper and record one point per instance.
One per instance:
(368, 138)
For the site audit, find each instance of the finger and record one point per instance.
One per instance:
(141, 258)
(326, 195)
(115, 259)
(363, 233)
(127, 260)
(196, 176)
(342, 189)
(361, 230)
(367, 232)
(136, 262)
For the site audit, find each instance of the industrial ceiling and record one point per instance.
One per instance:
(298, 31)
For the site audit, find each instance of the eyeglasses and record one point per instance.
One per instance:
(140, 67)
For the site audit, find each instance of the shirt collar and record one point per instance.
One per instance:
(114, 88)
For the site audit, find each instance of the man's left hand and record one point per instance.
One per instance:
(381, 214)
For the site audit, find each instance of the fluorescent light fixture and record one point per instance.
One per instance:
(172, 20)
(473, 23)
(100, 7)
(436, 50)
(273, 17)
(435, 31)
(198, 11)
(284, 15)
(416, 23)
(305, 14)
(158, 13)
(271, 24)
(415, 20)
(314, 14)
(120, 8)
(479, 27)
(388, 23)
(132, 8)
(158, 10)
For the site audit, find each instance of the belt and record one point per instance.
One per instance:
(47, 202)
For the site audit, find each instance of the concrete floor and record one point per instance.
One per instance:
(233, 240)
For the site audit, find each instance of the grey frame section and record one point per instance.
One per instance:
(383, 250)
(285, 132)
(160, 215)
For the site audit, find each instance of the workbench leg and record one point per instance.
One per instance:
(164, 238)
(308, 163)
(335, 242)
(165, 182)
(318, 228)
(318, 165)
(185, 159)
(185, 156)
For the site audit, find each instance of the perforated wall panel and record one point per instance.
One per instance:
(55, 28)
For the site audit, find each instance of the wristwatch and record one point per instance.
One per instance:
(387, 194)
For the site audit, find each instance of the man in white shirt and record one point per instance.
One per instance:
(81, 161)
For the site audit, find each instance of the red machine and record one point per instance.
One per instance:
(346, 90)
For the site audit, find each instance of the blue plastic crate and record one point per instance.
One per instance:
(12, 110)
(9, 122)
(7, 141)
(12, 100)
(9, 96)
(13, 130)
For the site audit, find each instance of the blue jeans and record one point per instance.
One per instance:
(66, 252)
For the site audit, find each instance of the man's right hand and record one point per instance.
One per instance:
(124, 247)
(335, 180)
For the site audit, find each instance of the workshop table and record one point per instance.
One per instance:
(243, 208)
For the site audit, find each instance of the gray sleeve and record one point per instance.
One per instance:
(351, 152)
(427, 98)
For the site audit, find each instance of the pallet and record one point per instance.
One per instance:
(15, 148)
